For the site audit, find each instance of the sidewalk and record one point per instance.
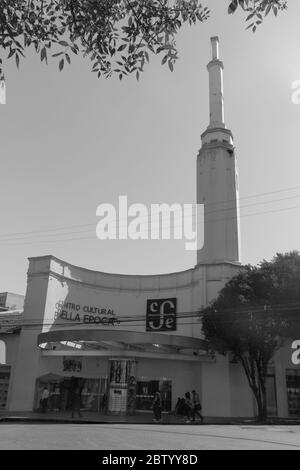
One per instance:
(139, 418)
(89, 417)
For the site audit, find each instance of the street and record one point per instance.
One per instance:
(147, 437)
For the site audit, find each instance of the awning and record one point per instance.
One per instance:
(50, 378)
(120, 339)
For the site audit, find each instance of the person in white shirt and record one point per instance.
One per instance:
(44, 399)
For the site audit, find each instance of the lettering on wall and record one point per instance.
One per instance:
(161, 314)
(78, 313)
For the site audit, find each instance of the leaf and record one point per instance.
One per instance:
(11, 53)
(122, 47)
(64, 43)
(44, 54)
(233, 6)
(61, 64)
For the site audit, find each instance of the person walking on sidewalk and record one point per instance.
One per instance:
(76, 401)
(188, 407)
(196, 406)
(44, 399)
(157, 407)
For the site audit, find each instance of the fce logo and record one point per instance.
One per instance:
(161, 315)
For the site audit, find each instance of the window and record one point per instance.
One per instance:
(271, 395)
(293, 391)
(4, 382)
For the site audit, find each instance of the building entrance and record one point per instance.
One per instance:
(93, 393)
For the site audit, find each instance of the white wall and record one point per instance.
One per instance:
(51, 280)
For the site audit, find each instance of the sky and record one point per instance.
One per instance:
(70, 142)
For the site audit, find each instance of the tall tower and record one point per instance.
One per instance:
(217, 181)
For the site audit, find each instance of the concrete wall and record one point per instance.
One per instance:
(51, 281)
(26, 367)
(11, 342)
(241, 396)
(217, 190)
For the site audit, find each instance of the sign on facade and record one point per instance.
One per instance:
(161, 314)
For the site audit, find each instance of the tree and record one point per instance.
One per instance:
(252, 314)
(117, 35)
(257, 9)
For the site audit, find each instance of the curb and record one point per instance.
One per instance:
(49, 420)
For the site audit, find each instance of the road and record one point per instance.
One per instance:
(146, 437)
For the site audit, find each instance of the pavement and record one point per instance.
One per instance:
(89, 417)
(95, 431)
(99, 418)
(131, 437)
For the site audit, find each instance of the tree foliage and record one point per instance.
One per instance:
(252, 314)
(117, 35)
(257, 9)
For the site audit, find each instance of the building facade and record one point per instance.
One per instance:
(121, 338)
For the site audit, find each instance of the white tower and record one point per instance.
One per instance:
(217, 181)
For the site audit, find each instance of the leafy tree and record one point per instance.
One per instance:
(257, 9)
(117, 35)
(252, 314)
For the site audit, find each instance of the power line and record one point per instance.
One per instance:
(5, 235)
(280, 308)
(145, 231)
(30, 235)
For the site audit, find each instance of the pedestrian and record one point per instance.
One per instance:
(196, 406)
(76, 401)
(188, 406)
(44, 399)
(103, 403)
(178, 406)
(156, 405)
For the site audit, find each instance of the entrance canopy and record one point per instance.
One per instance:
(100, 339)
(50, 378)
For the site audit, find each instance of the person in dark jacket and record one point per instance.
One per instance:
(157, 407)
(188, 407)
(196, 406)
(76, 401)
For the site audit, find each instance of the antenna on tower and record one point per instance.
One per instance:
(215, 47)
(2, 90)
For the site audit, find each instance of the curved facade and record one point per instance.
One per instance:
(124, 337)
(82, 323)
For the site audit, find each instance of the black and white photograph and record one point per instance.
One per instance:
(149, 228)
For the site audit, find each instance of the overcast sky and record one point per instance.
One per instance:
(70, 142)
